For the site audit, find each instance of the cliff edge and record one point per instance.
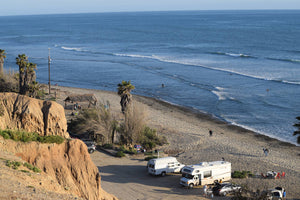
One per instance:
(68, 163)
(33, 115)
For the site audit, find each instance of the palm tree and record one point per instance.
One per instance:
(2, 56)
(297, 125)
(22, 61)
(26, 74)
(124, 90)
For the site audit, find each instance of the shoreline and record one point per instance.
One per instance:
(195, 113)
(187, 133)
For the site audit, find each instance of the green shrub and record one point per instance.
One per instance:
(107, 146)
(8, 163)
(27, 137)
(150, 157)
(131, 151)
(120, 154)
(51, 139)
(29, 166)
(13, 164)
(150, 139)
(241, 174)
(122, 148)
(40, 94)
(5, 135)
(37, 170)
(25, 171)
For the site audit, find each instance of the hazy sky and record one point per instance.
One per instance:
(25, 7)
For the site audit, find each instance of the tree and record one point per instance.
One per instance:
(27, 75)
(2, 56)
(132, 127)
(114, 128)
(97, 121)
(297, 132)
(22, 62)
(124, 90)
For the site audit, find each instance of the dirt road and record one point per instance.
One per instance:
(127, 178)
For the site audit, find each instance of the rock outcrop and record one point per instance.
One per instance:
(33, 115)
(69, 163)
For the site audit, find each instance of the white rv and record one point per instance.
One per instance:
(162, 166)
(205, 173)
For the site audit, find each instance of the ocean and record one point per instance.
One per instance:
(240, 66)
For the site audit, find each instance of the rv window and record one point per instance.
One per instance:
(207, 174)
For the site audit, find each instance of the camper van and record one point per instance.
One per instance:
(205, 173)
(162, 166)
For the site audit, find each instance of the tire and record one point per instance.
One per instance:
(191, 186)
(163, 174)
(91, 150)
(224, 194)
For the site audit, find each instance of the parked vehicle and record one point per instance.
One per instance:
(162, 166)
(275, 194)
(222, 189)
(90, 145)
(206, 173)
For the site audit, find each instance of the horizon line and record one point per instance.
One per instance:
(209, 10)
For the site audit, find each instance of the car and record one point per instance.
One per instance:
(275, 194)
(222, 189)
(91, 145)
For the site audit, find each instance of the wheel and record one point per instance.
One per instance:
(163, 174)
(91, 150)
(224, 194)
(191, 185)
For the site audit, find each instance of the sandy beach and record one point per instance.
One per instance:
(187, 132)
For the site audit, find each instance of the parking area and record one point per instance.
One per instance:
(127, 178)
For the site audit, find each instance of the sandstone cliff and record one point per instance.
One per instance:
(33, 115)
(69, 163)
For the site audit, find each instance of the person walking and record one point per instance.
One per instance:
(210, 132)
(266, 151)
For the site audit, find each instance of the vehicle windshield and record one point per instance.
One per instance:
(189, 176)
(151, 166)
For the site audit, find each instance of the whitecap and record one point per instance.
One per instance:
(71, 48)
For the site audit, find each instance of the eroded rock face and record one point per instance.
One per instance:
(69, 163)
(33, 115)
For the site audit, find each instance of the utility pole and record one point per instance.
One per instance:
(49, 61)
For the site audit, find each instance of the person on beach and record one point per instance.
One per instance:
(266, 151)
(210, 132)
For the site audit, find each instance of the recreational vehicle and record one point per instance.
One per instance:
(162, 166)
(205, 173)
